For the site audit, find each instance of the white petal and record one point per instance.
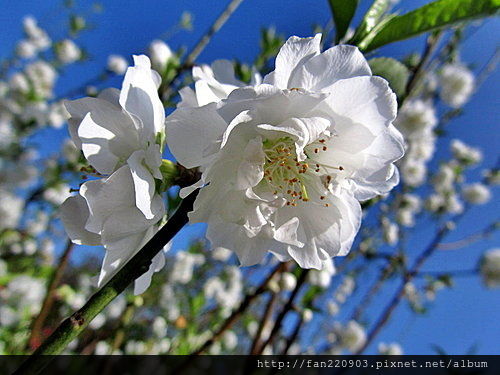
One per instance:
(143, 181)
(104, 196)
(190, 131)
(139, 96)
(294, 53)
(365, 100)
(251, 169)
(74, 213)
(323, 70)
(142, 283)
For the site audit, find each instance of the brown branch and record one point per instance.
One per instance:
(257, 342)
(288, 307)
(37, 328)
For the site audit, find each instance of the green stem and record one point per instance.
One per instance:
(70, 328)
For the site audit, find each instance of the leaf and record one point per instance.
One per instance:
(370, 20)
(430, 17)
(393, 71)
(342, 12)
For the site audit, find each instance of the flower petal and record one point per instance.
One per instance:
(199, 128)
(74, 213)
(323, 70)
(139, 96)
(294, 53)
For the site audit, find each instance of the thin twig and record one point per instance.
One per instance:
(257, 342)
(38, 324)
(200, 46)
(233, 317)
(288, 307)
(407, 277)
(430, 47)
(470, 239)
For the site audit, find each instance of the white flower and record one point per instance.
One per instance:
(490, 268)
(117, 64)
(285, 162)
(390, 231)
(182, 271)
(476, 193)
(118, 133)
(414, 172)
(57, 194)
(35, 34)
(121, 127)
(68, 52)
(322, 277)
(42, 77)
(445, 177)
(416, 118)
(159, 52)
(457, 84)
(288, 281)
(26, 49)
(465, 153)
(390, 349)
(57, 115)
(352, 336)
(11, 207)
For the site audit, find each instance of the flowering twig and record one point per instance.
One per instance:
(232, 318)
(407, 277)
(200, 46)
(78, 321)
(430, 47)
(38, 324)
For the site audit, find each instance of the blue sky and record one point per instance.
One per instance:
(457, 319)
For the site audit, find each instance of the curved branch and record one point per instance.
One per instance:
(71, 327)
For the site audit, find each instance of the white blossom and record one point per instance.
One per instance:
(117, 64)
(26, 49)
(323, 276)
(351, 336)
(160, 53)
(457, 84)
(35, 34)
(490, 268)
(390, 349)
(57, 194)
(288, 281)
(182, 270)
(476, 193)
(286, 162)
(68, 52)
(416, 118)
(11, 207)
(390, 231)
(465, 153)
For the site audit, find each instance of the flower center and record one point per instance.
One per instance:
(288, 176)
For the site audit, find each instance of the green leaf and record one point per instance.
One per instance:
(370, 20)
(342, 12)
(435, 15)
(393, 71)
